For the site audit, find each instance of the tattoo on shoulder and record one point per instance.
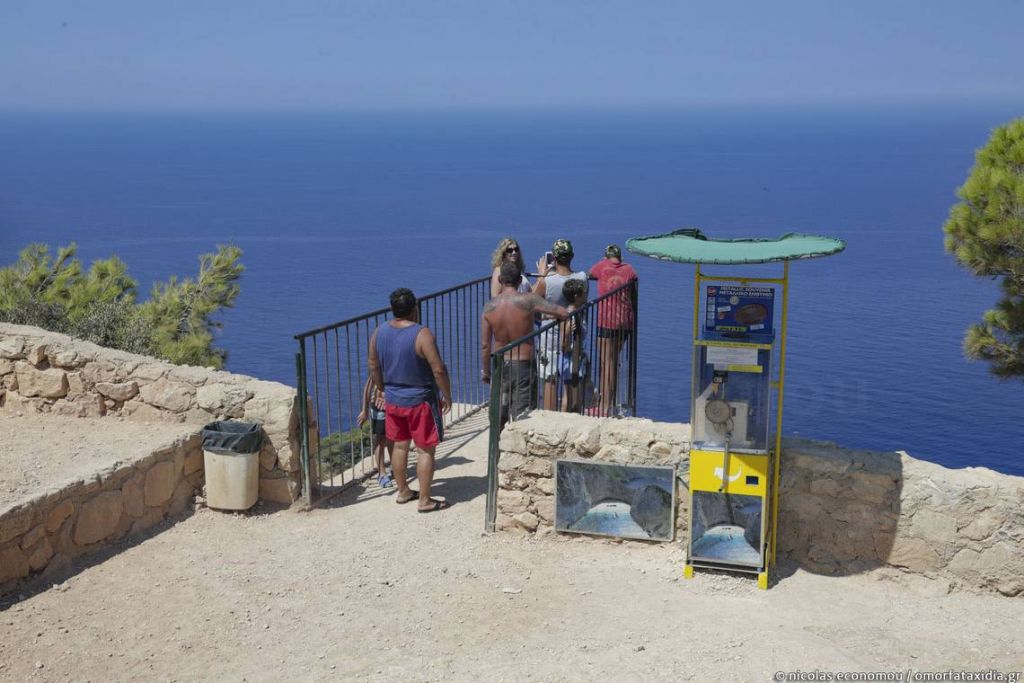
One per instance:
(490, 306)
(524, 301)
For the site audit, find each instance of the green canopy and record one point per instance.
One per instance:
(691, 246)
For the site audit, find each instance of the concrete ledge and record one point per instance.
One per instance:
(43, 532)
(48, 373)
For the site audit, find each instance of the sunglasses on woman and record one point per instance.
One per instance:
(512, 250)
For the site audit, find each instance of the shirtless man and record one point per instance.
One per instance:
(508, 317)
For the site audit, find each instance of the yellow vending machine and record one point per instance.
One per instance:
(738, 371)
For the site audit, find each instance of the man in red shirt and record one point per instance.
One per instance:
(614, 320)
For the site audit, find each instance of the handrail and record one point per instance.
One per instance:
(386, 310)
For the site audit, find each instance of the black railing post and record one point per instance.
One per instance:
(634, 295)
(302, 398)
(494, 433)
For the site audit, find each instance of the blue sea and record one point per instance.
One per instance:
(333, 211)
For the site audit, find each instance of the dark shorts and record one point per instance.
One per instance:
(622, 333)
(377, 426)
(420, 424)
(518, 389)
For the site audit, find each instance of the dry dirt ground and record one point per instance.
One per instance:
(370, 590)
(38, 452)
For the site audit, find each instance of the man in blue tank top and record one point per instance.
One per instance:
(406, 365)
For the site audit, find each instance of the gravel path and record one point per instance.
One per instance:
(371, 590)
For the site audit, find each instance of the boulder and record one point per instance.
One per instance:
(282, 490)
(58, 515)
(160, 482)
(99, 517)
(12, 347)
(512, 502)
(37, 355)
(63, 359)
(173, 396)
(134, 499)
(40, 556)
(119, 391)
(13, 563)
(223, 399)
(526, 520)
(50, 383)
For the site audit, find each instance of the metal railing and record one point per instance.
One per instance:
(331, 368)
(585, 364)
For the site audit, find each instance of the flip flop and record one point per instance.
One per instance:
(437, 505)
(413, 495)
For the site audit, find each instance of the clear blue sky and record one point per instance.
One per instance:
(295, 54)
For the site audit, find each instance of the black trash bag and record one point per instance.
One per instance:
(231, 438)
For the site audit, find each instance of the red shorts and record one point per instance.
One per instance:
(420, 423)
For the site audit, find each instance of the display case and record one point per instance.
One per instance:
(731, 395)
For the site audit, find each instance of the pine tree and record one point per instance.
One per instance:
(985, 232)
(176, 324)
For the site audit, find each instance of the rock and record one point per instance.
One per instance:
(151, 518)
(98, 371)
(63, 359)
(119, 391)
(12, 347)
(99, 517)
(32, 537)
(538, 467)
(173, 396)
(275, 414)
(150, 372)
(660, 451)
(181, 499)
(58, 515)
(37, 355)
(282, 490)
(545, 508)
(510, 461)
(160, 482)
(193, 461)
(935, 527)
(546, 485)
(223, 399)
(188, 373)
(134, 500)
(6, 366)
(982, 525)
(13, 563)
(512, 442)
(51, 383)
(526, 520)
(40, 556)
(76, 384)
(913, 553)
(512, 502)
(15, 522)
(268, 456)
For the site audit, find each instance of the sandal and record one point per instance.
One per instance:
(385, 481)
(437, 505)
(413, 495)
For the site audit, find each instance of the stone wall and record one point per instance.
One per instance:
(46, 532)
(841, 511)
(45, 372)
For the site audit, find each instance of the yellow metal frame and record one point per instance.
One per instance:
(774, 458)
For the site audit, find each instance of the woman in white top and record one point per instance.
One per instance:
(508, 250)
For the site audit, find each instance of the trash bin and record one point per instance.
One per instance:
(231, 456)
